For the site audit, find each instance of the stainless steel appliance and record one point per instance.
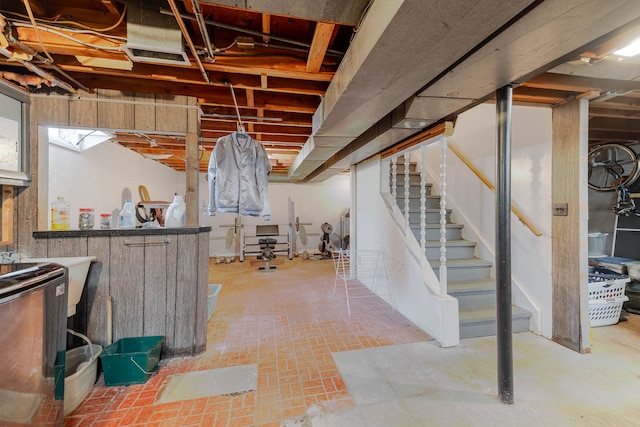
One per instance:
(33, 315)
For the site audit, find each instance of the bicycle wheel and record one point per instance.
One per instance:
(609, 162)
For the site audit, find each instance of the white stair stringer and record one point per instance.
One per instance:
(469, 278)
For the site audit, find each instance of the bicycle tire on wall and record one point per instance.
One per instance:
(618, 156)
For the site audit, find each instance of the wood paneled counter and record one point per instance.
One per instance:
(157, 279)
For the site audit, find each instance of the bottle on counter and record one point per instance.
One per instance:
(60, 214)
(86, 218)
(127, 217)
(176, 215)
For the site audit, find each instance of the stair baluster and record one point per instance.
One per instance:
(443, 216)
(394, 177)
(406, 193)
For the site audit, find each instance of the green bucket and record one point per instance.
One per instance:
(131, 360)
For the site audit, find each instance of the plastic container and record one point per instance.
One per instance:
(127, 216)
(606, 296)
(633, 269)
(60, 214)
(105, 221)
(81, 373)
(86, 218)
(212, 300)
(131, 360)
(176, 215)
(597, 244)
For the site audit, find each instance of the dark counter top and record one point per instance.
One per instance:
(120, 232)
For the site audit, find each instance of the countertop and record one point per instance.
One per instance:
(161, 231)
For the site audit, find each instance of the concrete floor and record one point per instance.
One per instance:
(420, 384)
(285, 353)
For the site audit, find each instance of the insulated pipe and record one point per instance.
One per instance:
(503, 246)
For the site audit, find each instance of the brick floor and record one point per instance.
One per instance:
(288, 323)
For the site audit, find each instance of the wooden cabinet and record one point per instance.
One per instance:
(153, 281)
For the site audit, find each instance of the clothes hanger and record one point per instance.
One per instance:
(240, 126)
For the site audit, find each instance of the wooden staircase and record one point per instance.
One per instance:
(469, 279)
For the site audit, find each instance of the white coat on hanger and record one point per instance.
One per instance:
(238, 171)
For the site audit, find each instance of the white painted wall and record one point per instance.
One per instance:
(315, 204)
(376, 230)
(473, 203)
(102, 176)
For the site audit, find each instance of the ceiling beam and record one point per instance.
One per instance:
(566, 82)
(192, 77)
(321, 38)
(613, 113)
(613, 135)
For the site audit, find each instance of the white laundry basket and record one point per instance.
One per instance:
(606, 296)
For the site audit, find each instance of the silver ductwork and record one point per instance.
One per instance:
(152, 36)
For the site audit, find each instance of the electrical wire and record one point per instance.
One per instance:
(68, 37)
(155, 143)
(78, 24)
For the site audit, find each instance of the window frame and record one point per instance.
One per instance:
(20, 177)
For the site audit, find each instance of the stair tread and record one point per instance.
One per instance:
(452, 242)
(463, 262)
(435, 225)
(400, 197)
(488, 312)
(426, 210)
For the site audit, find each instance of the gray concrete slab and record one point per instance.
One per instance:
(421, 384)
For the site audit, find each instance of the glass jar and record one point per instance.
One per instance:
(105, 221)
(85, 219)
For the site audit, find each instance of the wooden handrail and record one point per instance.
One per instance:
(492, 187)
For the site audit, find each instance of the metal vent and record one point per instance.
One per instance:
(152, 36)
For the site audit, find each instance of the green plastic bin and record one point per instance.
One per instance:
(131, 360)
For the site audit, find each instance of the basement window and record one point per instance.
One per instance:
(77, 139)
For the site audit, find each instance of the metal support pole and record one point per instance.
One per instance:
(503, 246)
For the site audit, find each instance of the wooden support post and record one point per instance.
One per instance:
(570, 312)
(192, 169)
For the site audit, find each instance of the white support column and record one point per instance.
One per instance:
(443, 215)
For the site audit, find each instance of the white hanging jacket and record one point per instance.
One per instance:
(238, 171)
